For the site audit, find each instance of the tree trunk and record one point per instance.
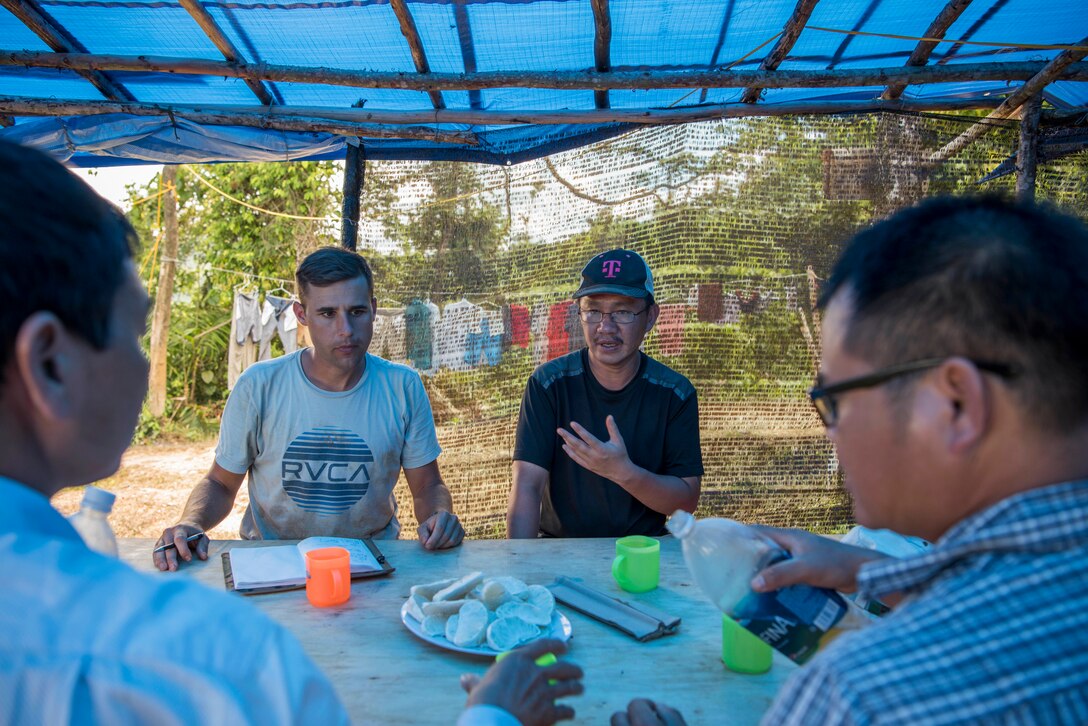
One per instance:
(160, 320)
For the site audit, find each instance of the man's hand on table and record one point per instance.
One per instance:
(644, 712)
(519, 686)
(815, 560)
(440, 531)
(170, 559)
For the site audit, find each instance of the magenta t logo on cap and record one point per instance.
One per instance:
(617, 272)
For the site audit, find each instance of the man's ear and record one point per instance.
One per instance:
(45, 357)
(300, 312)
(965, 402)
(651, 316)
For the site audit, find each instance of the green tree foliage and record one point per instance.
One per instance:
(224, 245)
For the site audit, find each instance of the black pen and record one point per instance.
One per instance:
(172, 546)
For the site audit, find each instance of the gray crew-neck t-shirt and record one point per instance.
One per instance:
(324, 462)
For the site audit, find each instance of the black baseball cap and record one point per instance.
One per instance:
(617, 272)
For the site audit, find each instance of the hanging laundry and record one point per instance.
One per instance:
(670, 329)
(518, 331)
(419, 323)
(558, 338)
(451, 335)
(709, 302)
(277, 318)
(245, 323)
(730, 309)
(538, 328)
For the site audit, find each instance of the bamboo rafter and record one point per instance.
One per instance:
(230, 53)
(1034, 86)
(364, 122)
(790, 33)
(920, 55)
(274, 117)
(61, 41)
(415, 45)
(562, 80)
(602, 46)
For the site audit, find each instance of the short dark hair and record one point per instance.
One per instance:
(62, 249)
(981, 277)
(329, 265)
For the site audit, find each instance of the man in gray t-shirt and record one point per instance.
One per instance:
(324, 432)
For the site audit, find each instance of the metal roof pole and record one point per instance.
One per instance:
(1027, 154)
(354, 171)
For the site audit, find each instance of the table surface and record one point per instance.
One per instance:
(385, 675)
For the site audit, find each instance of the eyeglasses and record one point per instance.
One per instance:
(823, 397)
(619, 317)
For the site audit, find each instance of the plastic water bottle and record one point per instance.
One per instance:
(723, 556)
(91, 520)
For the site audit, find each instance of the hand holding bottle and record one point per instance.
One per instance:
(814, 560)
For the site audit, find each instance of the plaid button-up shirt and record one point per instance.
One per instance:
(994, 628)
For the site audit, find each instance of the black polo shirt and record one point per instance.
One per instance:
(657, 414)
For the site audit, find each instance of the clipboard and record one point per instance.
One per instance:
(228, 575)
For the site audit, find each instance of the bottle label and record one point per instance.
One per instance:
(794, 620)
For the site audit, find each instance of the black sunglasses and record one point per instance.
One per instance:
(823, 397)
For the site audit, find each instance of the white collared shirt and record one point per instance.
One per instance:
(85, 638)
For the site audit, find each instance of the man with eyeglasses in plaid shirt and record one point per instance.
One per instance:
(607, 440)
(954, 385)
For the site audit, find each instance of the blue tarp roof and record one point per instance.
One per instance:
(469, 37)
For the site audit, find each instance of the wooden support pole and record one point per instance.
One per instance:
(1027, 155)
(273, 117)
(922, 51)
(562, 80)
(61, 41)
(164, 293)
(602, 47)
(415, 45)
(390, 124)
(354, 173)
(222, 42)
(790, 33)
(1031, 88)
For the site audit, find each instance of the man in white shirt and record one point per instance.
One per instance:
(83, 637)
(323, 433)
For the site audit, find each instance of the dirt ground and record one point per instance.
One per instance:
(151, 487)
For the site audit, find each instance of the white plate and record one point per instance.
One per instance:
(559, 628)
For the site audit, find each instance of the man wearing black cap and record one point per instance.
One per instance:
(608, 438)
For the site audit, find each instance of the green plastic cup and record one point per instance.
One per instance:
(743, 652)
(637, 564)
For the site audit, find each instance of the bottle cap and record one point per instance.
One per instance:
(680, 523)
(98, 499)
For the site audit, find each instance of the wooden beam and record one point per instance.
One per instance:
(1027, 154)
(222, 42)
(61, 41)
(164, 294)
(562, 80)
(353, 122)
(790, 33)
(602, 47)
(468, 48)
(252, 116)
(1031, 88)
(922, 51)
(354, 174)
(415, 45)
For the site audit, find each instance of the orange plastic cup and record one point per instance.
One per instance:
(328, 576)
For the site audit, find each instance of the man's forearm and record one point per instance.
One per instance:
(208, 505)
(523, 517)
(660, 492)
(435, 497)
